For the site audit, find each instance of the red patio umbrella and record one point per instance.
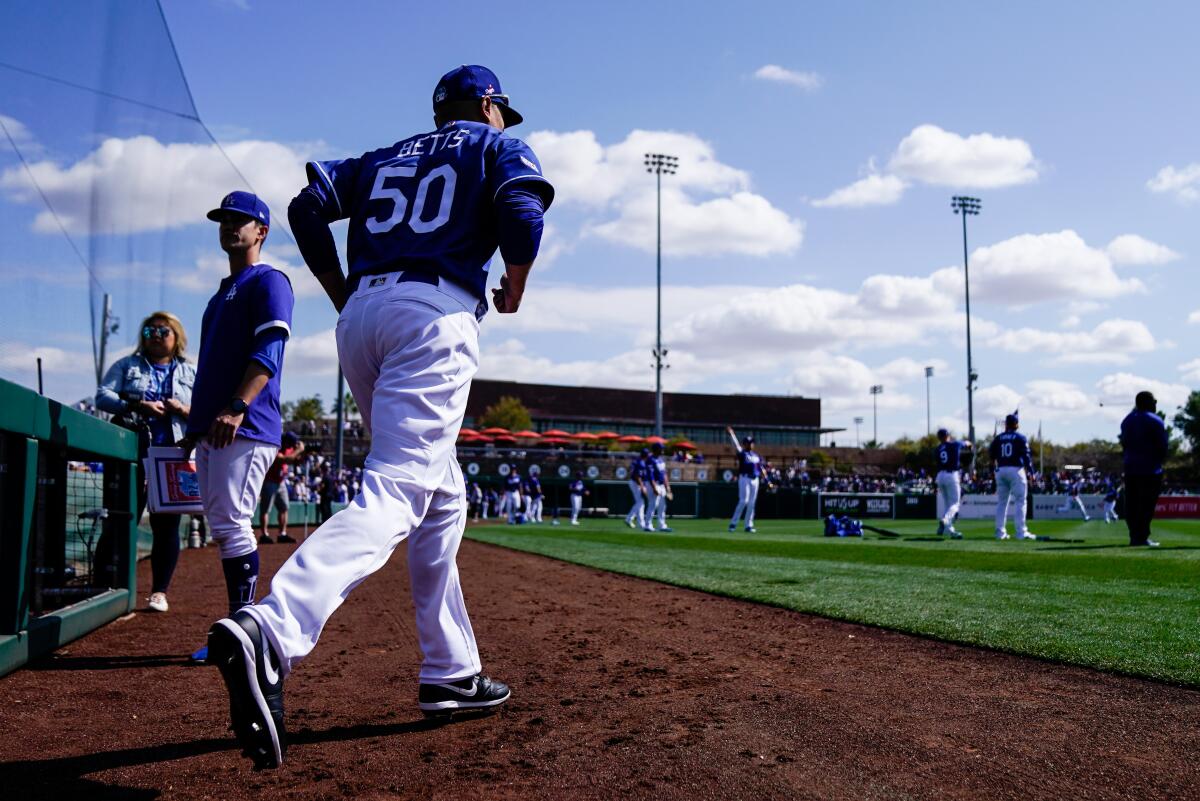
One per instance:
(585, 436)
(495, 431)
(632, 438)
(527, 434)
(556, 432)
(685, 446)
(507, 439)
(656, 440)
(607, 435)
(468, 432)
(480, 439)
(555, 441)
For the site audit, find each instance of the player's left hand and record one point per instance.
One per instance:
(224, 428)
(505, 299)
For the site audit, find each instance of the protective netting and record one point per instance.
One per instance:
(106, 172)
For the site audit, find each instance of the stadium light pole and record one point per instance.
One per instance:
(928, 407)
(876, 391)
(858, 421)
(659, 164)
(965, 206)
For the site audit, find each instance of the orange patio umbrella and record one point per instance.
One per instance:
(495, 431)
(656, 440)
(632, 438)
(527, 434)
(685, 446)
(468, 432)
(556, 432)
(607, 435)
(584, 435)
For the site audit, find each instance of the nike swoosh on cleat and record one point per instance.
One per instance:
(465, 693)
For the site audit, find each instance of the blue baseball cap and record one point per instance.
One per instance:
(243, 203)
(471, 82)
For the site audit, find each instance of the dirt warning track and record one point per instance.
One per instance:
(622, 688)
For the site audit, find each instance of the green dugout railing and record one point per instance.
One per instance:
(67, 486)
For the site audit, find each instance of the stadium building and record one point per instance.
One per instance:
(777, 422)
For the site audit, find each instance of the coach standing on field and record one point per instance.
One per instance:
(1144, 440)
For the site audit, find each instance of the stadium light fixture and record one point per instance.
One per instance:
(858, 421)
(928, 414)
(876, 391)
(660, 164)
(966, 206)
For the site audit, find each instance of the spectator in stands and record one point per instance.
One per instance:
(1144, 441)
(326, 492)
(150, 392)
(274, 491)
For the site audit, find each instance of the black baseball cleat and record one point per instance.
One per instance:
(473, 692)
(250, 668)
(286, 538)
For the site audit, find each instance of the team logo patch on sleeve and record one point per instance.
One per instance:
(530, 165)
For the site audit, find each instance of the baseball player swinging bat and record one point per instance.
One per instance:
(750, 469)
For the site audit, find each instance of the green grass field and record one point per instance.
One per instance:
(1079, 597)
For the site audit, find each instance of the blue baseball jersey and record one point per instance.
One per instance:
(426, 203)
(513, 482)
(534, 487)
(255, 300)
(577, 487)
(637, 470)
(949, 455)
(1111, 495)
(749, 464)
(657, 467)
(1011, 449)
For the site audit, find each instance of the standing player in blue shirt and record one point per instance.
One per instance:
(235, 422)
(426, 215)
(657, 467)
(750, 469)
(577, 492)
(1144, 443)
(948, 456)
(639, 482)
(511, 504)
(1110, 504)
(533, 490)
(1012, 459)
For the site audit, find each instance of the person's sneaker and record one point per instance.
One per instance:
(733, 526)
(473, 692)
(941, 528)
(250, 668)
(1087, 519)
(1146, 544)
(285, 538)
(574, 522)
(667, 529)
(265, 540)
(1029, 535)
(954, 533)
(631, 524)
(200, 656)
(647, 528)
(751, 530)
(158, 601)
(1001, 535)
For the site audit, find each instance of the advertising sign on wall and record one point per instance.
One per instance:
(857, 505)
(1062, 507)
(975, 507)
(1178, 506)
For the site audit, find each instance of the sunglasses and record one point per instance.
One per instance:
(501, 99)
(160, 331)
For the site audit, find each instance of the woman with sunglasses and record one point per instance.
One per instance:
(150, 391)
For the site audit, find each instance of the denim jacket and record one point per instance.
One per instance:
(132, 375)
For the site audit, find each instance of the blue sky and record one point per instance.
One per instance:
(810, 246)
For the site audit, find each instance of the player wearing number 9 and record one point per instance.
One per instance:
(426, 215)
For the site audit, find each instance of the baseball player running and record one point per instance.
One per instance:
(639, 480)
(426, 214)
(949, 460)
(657, 467)
(1074, 499)
(750, 469)
(1011, 457)
(234, 423)
(577, 493)
(1110, 504)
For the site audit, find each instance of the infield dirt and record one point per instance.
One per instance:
(622, 688)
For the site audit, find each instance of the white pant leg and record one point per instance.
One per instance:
(409, 352)
(751, 500)
(743, 499)
(636, 512)
(950, 491)
(512, 504)
(1110, 511)
(1020, 488)
(1004, 489)
(230, 480)
(1079, 503)
(660, 508)
(576, 507)
(443, 626)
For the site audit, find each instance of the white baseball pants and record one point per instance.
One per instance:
(1110, 511)
(660, 507)
(230, 480)
(409, 352)
(535, 509)
(747, 498)
(1010, 485)
(511, 505)
(576, 507)
(638, 511)
(950, 494)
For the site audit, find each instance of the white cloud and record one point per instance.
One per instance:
(1043, 399)
(1191, 370)
(1194, 317)
(1133, 249)
(211, 268)
(873, 190)
(808, 81)
(1111, 341)
(844, 383)
(708, 208)
(314, 354)
(1117, 391)
(20, 135)
(1058, 396)
(141, 184)
(1033, 268)
(19, 356)
(1183, 183)
(935, 156)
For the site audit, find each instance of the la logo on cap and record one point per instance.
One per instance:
(440, 95)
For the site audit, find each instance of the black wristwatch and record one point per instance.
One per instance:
(238, 406)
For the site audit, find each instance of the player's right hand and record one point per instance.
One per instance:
(505, 299)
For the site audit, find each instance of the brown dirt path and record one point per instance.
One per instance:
(623, 688)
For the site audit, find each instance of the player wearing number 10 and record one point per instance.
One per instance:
(1012, 459)
(426, 215)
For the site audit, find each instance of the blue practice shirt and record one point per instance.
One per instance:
(749, 464)
(949, 455)
(427, 203)
(657, 467)
(1011, 449)
(513, 482)
(255, 301)
(577, 488)
(637, 470)
(1144, 439)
